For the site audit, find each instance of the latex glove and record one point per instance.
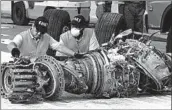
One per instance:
(78, 55)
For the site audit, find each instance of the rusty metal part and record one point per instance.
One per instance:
(74, 77)
(32, 82)
(98, 74)
(104, 79)
(94, 73)
(19, 83)
(87, 62)
(55, 87)
(150, 60)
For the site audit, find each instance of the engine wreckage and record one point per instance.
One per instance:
(118, 70)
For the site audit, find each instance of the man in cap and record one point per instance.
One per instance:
(79, 39)
(35, 42)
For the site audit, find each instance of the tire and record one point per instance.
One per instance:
(19, 14)
(58, 20)
(48, 13)
(48, 8)
(108, 24)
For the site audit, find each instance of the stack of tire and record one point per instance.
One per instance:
(108, 24)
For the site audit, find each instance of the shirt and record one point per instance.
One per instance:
(87, 42)
(29, 46)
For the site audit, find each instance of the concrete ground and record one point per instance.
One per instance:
(70, 101)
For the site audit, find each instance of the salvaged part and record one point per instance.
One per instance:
(154, 64)
(32, 82)
(103, 79)
(56, 84)
(19, 83)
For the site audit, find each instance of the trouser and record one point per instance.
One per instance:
(103, 8)
(169, 42)
(133, 14)
(108, 5)
(121, 8)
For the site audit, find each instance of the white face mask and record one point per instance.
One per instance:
(75, 32)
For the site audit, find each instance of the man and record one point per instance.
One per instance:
(79, 39)
(133, 12)
(102, 6)
(35, 42)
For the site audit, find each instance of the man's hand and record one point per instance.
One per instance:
(78, 55)
(15, 52)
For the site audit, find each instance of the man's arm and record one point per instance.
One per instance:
(59, 46)
(57, 52)
(93, 42)
(15, 43)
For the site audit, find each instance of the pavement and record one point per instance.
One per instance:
(70, 101)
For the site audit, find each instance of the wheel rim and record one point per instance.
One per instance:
(58, 85)
(50, 88)
(7, 81)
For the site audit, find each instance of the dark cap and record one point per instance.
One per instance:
(79, 21)
(41, 24)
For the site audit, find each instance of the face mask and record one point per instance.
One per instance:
(75, 32)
